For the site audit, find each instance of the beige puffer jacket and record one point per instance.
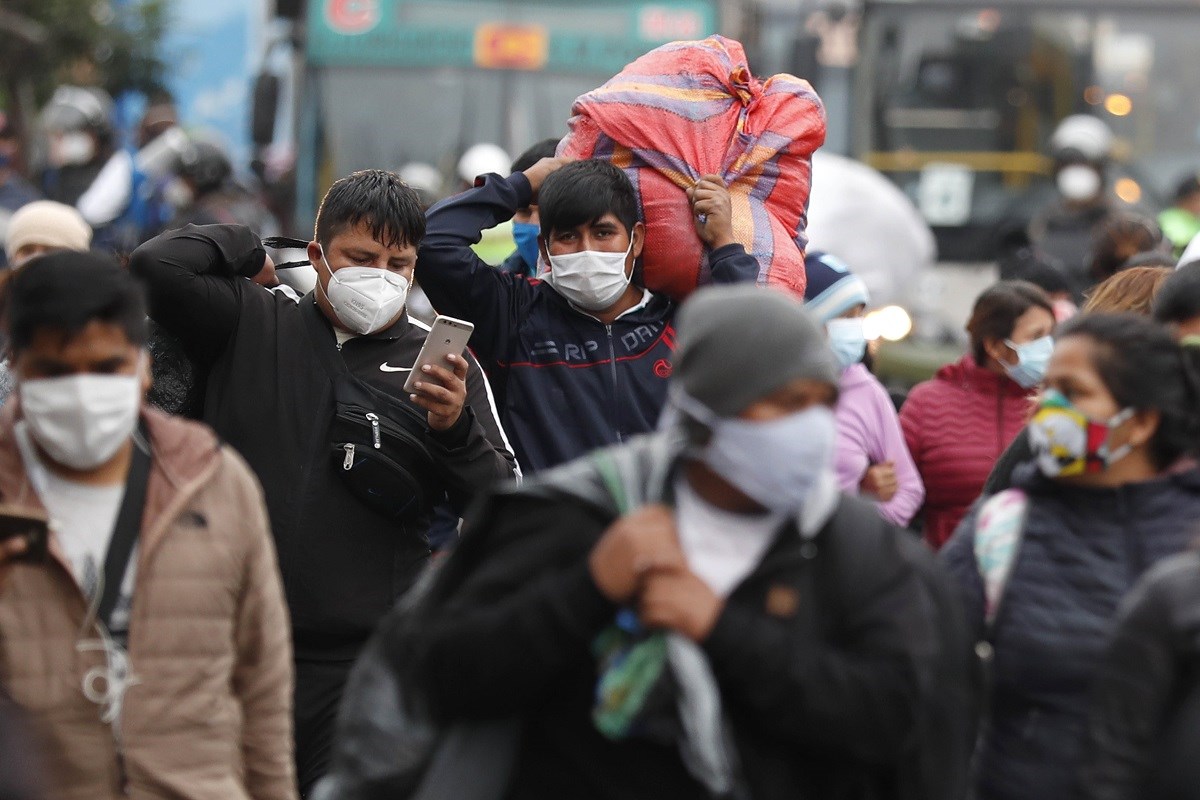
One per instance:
(208, 714)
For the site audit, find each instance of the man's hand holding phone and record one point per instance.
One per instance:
(442, 391)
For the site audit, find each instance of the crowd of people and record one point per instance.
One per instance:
(621, 546)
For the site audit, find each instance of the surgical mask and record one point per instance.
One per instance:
(72, 149)
(1066, 443)
(1032, 359)
(525, 235)
(776, 463)
(847, 340)
(366, 299)
(1079, 182)
(592, 280)
(81, 421)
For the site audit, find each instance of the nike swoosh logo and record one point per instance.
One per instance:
(385, 367)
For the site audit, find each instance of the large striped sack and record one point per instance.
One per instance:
(688, 109)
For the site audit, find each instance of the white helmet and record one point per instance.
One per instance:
(422, 177)
(1085, 135)
(480, 159)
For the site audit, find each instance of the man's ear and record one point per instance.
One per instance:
(639, 238)
(315, 253)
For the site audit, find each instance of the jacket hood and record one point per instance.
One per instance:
(969, 376)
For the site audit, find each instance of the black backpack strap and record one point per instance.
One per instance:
(128, 526)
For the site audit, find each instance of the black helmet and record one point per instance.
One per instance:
(204, 165)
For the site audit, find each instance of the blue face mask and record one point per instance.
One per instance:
(847, 341)
(525, 234)
(1032, 359)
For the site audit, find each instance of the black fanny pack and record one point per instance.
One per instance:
(377, 442)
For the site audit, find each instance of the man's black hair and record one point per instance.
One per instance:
(65, 291)
(378, 199)
(584, 191)
(1178, 299)
(546, 148)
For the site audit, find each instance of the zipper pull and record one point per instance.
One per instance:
(375, 435)
(348, 463)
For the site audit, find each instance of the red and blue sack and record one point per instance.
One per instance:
(689, 109)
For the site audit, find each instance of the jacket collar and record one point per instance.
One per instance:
(650, 309)
(308, 305)
(968, 375)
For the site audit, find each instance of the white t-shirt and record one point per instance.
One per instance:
(82, 518)
(722, 548)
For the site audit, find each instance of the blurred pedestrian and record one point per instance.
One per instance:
(1144, 726)
(45, 226)
(1120, 237)
(1181, 222)
(151, 644)
(86, 167)
(872, 457)
(580, 359)
(1024, 262)
(213, 195)
(312, 395)
(959, 423)
(1130, 290)
(526, 224)
(754, 632)
(1081, 147)
(1177, 304)
(1044, 566)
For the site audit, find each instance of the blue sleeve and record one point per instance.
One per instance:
(958, 556)
(458, 282)
(732, 264)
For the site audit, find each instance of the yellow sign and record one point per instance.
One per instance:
(503, 46)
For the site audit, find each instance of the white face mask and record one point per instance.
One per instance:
(592, 280)
(71, 149)
(1078, 182)
(81, 421)
(366, 299)
(776, 463)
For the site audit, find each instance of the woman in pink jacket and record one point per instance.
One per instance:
(872, 458)
(959, 423)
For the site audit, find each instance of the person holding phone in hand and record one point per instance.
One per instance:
(312, 395)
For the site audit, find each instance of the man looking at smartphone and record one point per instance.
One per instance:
(580, 358)
(150, 646)
(349, 488)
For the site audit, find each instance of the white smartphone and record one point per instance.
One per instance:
(447, 336)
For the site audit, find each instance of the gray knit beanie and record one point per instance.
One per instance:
(737, 344)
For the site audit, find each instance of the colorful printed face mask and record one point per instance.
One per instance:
(1067, 443)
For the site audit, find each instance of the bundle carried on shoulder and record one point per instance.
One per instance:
(688, 109)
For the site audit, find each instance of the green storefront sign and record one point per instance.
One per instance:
(561, 36)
